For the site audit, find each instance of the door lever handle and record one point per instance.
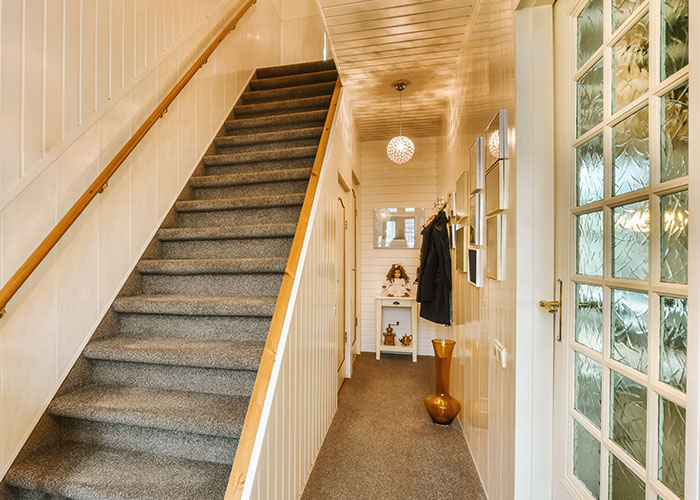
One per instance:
(553, 307)
(550, 306)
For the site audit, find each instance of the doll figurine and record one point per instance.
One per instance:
(398, 283)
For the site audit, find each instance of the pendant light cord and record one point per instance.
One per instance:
(400, 115)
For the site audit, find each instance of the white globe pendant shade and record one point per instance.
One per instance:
(400, 149)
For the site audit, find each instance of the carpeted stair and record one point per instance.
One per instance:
(155, 405)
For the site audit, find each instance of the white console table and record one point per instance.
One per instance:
(382, 302)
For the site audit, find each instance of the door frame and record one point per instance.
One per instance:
(534, 70)
(341, 276)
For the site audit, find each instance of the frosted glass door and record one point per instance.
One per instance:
(628, 276)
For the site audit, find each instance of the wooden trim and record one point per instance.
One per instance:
(26, 269)
(251, 425)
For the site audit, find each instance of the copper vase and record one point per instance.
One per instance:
(442, 407)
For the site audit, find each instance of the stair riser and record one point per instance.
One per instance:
(271, 121)
(22, 494)
(229, 249)
(268, 146)
(295, 69)
(240, 217)
(265, 166)
(246, 190)
(293, 80)
(276, 112)
(232, 128)
(152, 376)
(262, 285)
(141, 439)
(288, 93)
(194, 327)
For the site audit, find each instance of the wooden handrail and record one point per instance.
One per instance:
(246, 442)
(26, 269)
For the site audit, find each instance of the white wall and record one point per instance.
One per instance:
(70, 96)
(302, 31)
(385, 184)
(485, 82)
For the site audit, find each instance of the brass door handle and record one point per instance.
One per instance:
(554, 307)
(551, 306)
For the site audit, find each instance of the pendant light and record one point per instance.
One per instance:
(400, 149)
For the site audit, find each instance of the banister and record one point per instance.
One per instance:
(246, 441)
(41, 251)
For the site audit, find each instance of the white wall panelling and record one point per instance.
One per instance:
(484, 83)
(385, 184)
(77, 78)
(302, 395)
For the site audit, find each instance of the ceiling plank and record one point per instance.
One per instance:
(429, 19)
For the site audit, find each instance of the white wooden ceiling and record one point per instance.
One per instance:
(377, 42)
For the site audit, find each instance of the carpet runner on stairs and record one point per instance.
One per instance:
(155, 405)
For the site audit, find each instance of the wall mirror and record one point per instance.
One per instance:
(398, 227)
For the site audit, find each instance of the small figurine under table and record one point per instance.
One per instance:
(398, 284)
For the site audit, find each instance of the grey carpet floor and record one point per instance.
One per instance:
(154, 407)
(382, 443)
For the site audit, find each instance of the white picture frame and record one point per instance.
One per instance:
(476, 220)
(496, 188)
(495, 247)
(496, 139)
(476, 165)
(461, 237)
(475, 267)
(462, 197)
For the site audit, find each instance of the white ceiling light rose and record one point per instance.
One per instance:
(400, 149)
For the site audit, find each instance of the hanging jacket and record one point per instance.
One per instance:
(435, 276)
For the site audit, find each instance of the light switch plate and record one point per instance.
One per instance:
(499, 351)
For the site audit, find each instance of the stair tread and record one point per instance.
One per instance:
(222, 354)
(182, 411)
(288, 93)
(86, 472)
(297, 68)
(294, 79)
(280, 105)
(268, 176)
(268, 137)
(260, 156)
(282, 230)
(221, 204)
(282, 119)
(211, 266)
(194, 305)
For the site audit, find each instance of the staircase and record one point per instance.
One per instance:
(155, 405)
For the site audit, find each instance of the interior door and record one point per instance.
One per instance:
(340, 273)
(622, 250)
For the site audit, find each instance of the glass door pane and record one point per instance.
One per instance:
(629, 221)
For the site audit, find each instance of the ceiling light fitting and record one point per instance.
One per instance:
(400, 149)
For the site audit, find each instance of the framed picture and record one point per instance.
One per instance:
(461, 197)
(476, 219)
(496, 139)
(476, 165)
(461, 250)
(476, 267)
(495, 244)
(497, 187)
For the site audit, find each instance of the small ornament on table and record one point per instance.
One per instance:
(389, 335)
(398, 284)
(406, 340)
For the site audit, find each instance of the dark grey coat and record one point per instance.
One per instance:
(435, 275)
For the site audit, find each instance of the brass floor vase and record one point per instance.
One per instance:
(442, 407)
